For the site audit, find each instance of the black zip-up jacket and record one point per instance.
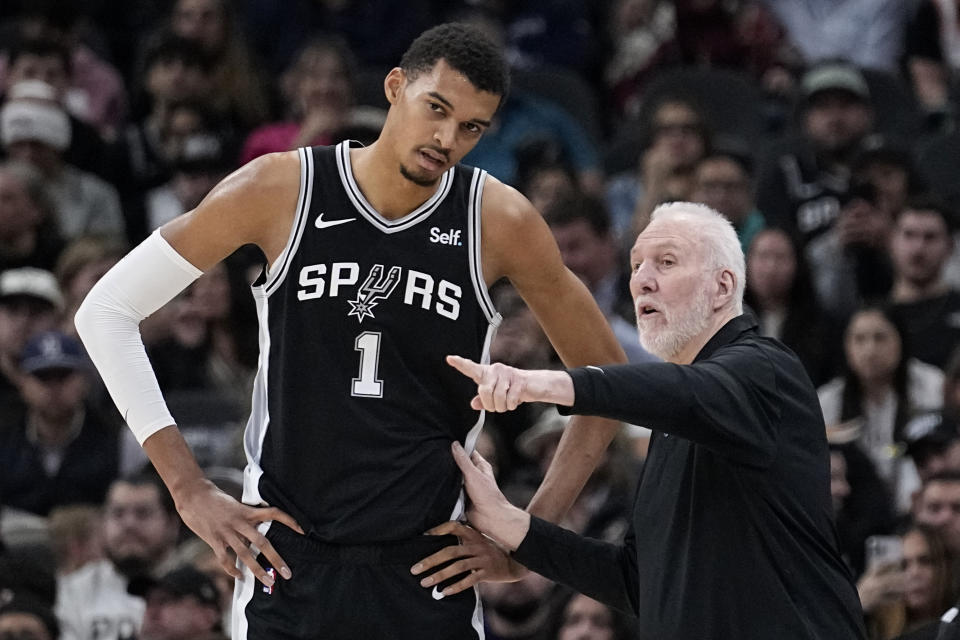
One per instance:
(731, 535)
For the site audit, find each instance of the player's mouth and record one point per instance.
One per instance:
(432, 160)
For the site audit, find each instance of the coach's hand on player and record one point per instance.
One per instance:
(502, 388)
(230, 528)
(476, 555)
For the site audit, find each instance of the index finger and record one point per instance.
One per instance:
(467, 367)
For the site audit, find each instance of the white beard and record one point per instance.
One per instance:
(681, 326)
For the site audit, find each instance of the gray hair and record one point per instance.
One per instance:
(717, 236)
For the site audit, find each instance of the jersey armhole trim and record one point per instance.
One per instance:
(474, 208)
(276, 275)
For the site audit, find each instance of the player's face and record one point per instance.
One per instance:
(440, 117)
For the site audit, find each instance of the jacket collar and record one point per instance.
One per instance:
(727, 334)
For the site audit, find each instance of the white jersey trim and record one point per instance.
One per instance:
(277, 273)
(367, 210)
(475, 246)
(259, 419)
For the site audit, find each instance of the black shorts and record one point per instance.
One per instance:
(352, 592)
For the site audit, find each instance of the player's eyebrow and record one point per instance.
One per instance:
(449, 105)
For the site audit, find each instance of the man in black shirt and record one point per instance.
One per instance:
(731, 534)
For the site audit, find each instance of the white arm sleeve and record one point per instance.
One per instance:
(109, 319)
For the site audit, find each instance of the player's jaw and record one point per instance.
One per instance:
(429, 163)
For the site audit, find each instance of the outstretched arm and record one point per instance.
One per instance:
(252, 205)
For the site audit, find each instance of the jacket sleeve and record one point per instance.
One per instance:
(601, 570)
(729, 403)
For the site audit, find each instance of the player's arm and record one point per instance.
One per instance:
(253, 205)
(518, 244)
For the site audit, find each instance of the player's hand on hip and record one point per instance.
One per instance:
(499, 387)
(230, 528)
(476, 555)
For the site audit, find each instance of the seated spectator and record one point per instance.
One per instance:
(28, 231)
(30, 302)
(544, 177)
(61, 452)
(183, 604)
(236, 83)
(928, 309)
(723, 180)
(910, 594)
(579, 617)
(850, 261)
(25, 618)
(932, 58)
(516, 610)
(742, 35)
(35, 130)
(581, 227)
(933, 442)
(781, 295)
(938, 506)
(140, 528)
(678, 139)
(881, 388)
(803, 178)
(48, 60)
(76, 535)
(202, 162)
(642, 34)
(319, 90)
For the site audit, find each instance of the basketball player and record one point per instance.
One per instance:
(379, 259)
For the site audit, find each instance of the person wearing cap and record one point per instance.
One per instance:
(933, 442)
(35, 129)
(803, 179)
(183, 604)
(30, 302)
(62, 451)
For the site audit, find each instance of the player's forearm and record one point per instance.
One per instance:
(174, 461)
(582, 446)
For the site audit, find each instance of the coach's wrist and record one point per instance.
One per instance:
(509, 527)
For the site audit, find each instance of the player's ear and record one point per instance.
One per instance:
(393, 84)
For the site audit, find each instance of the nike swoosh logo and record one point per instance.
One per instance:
(323, 224)
(436, 594)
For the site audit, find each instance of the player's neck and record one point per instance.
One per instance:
(379, 178)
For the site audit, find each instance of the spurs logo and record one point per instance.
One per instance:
(375, 288)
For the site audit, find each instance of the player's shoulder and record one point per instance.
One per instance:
(505, 204)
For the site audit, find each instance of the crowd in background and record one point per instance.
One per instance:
(826, 131)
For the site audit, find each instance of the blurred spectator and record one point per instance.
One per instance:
(579, 617)
(889, 167)
(319, 91)
(938, 506)
(35, 129)
(780, 292)
(516, 610)
(581, 227)
(862, 504)
(80, 265)
(169, 105)
(928, 309)
(851, 262)
(642, 35)
(867, 33)
(545, 177)
(741, 34)
(723, 180)
(932, 59)
(378, 31)
(30, 302)
(551, 33)
(201, 163)
(903, 597)
(23, 617)
(678, 139)
(882, 388)
(140, 528)
(183, 604)
(77, 535)
(236, 84)
(802, 180)
(61, 452)
(933, 442)
(28, 230)
(48, 60)
(951, 384)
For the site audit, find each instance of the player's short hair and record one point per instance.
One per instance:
(719, 238)
(466, 49)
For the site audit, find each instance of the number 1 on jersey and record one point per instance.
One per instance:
(367, 385)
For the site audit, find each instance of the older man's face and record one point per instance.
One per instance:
(670, 287)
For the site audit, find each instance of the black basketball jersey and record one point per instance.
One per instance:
(354, 407)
